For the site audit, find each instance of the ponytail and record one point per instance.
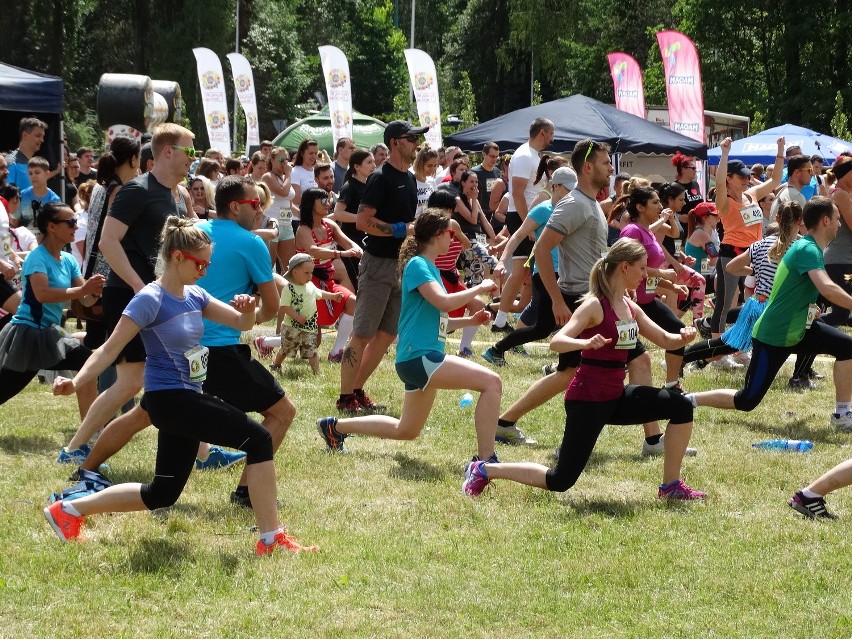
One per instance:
(789, 216)
(428, 224)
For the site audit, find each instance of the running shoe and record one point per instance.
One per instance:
(811, 373)
(725, 363)
(67, 527)
(240, 497)
(811, 507)
(367, 404)
(548, 369)
(842, 422)
(275, 368)
(655, 450)
(333, 439)
(506, 328)
(335, 358)
(475, 479)
(742, 357)
(520, 350)
(263, 351)
(76, 457)
(680, 491)
(514, 436)
(703, 327)
(285, 541)
(492, 357)
(348, 404)
(801, 384)
(219, 458)
(466, 353)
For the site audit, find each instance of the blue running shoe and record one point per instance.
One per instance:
(475, 479)
(493, 357)
(333, 439)
(76, 457)
(219, 458)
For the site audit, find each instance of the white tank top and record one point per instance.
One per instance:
(280, 207)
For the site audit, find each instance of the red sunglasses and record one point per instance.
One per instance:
(451, 232)
(200, 265)
(255, 204)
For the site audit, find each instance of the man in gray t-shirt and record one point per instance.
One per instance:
(579, 219)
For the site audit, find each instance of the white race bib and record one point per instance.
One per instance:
(628, 333)
(482, 238)
(813, 311)
(751, 215)
(443, 323)
(651, 284)
(197, 357)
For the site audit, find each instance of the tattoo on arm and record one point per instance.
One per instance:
(384, 227)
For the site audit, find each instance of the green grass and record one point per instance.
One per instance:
(404, 554)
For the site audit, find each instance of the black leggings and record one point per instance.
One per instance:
(584, 422)
(665, 318)
(184, 418)
(766, 360)
(838, 314)
(544, 323)
(13, 382)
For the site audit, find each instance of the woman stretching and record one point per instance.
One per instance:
(605, 328)
(420, 360)
(168, 312)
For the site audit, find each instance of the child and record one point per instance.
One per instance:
(36, 196)
(299, 307)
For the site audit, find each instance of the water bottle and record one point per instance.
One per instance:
(793, 445)
(466, 400)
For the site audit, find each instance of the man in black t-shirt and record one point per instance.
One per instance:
(130, 241)
(385, 215)
(488, 175)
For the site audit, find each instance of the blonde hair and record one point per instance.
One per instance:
(624, 250)
(181, 234)
(166, 135)
(264, 194)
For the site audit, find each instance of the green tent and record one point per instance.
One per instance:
(366, 131)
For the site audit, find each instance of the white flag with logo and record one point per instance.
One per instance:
(244, 86)
(213, 99)
(338, 86)
(424, 81)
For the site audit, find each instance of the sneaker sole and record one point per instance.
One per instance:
(801, 509)
(56, 528)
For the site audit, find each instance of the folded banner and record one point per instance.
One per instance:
(213, 99)
(424, 81)
(627, 83)
(335, 68)
(683, 84)
(244, 86)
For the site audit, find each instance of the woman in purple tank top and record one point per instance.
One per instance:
(604, 328)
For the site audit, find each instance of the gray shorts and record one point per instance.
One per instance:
(379, 297)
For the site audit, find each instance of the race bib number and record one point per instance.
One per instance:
(751, 215)
(443, 323)
(707, 268)
(197, 358)
(628, 333)
(489, 184)
(813, 311)
(651, 285)
(482, 238)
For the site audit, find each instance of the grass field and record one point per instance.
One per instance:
(404, 554)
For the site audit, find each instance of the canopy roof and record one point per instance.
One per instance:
(366, 131)
(578, 117)
(762, 147)
(22, 90)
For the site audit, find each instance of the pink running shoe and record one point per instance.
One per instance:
(475, 478)
(679, 490)
(263, 351)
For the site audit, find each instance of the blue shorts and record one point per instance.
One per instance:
(416, 373)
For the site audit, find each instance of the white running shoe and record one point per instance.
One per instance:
(726, 363)
(842, 422)
(742, 357)
(659, 448)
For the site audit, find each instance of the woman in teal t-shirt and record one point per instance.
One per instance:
(420, 359)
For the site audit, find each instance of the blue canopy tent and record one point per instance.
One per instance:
(29, 94)
(577, 117)
(762, 147)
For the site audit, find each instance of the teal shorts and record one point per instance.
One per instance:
(416, 373)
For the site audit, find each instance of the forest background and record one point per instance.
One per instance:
(775, 62)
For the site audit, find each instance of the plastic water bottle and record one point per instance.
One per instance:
(793, 445)
(466, 400)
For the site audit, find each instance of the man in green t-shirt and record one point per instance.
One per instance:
(789, 325)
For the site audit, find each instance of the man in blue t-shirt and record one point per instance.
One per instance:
(32, 132)
(240, 264)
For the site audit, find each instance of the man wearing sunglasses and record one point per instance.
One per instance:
(385, 214)
(130, 241)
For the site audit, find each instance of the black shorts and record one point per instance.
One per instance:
(513, 223)
(115, 300)
(6, 291)
(234, 377)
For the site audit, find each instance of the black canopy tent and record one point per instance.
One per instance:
(577, 117)
(29, 94)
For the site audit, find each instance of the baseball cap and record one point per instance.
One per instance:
(296, 260)
(564, 176)
(401, 128)
(738, 168)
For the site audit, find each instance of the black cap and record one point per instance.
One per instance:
(401, 128)
(738, 168)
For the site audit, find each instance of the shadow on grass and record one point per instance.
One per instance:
(29, 444)
(791, 427)
(613, 508)
(412, 469)
(159, 556)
